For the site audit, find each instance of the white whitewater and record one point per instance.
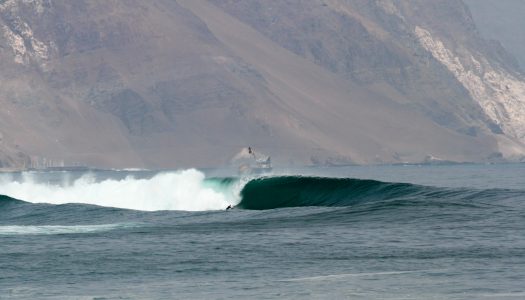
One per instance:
(183, 190)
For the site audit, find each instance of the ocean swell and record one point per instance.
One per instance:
(297, 191)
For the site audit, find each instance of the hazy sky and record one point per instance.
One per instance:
(503, 21)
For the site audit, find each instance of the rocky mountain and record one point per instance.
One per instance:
(165, 83)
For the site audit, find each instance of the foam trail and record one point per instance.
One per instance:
(342, 276)
(59, 229)
(183, 190)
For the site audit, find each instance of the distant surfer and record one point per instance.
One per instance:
(229, 207)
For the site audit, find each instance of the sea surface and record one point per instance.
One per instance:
(379, 232)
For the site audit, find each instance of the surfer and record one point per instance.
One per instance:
(229, 207)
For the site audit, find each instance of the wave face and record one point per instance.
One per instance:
(190, 190)
(185, 190)
(296, 191)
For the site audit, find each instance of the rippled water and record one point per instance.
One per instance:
(389, 232)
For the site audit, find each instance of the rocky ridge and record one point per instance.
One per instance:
(166, 83)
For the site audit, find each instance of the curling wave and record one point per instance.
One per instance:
(190, 190)
(297, 191)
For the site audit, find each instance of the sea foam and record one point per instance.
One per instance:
(60, 229)
(181, 190)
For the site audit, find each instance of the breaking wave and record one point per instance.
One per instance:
(185, 190)
(190, 190)
(297, 191)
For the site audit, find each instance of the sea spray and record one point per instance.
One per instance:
(182, 190)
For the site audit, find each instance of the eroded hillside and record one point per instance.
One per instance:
(167, 83)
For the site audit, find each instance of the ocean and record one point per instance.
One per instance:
(357, 232)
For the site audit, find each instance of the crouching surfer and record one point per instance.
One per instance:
(229, 207)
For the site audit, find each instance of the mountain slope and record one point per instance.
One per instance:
(165, 84)
(431, 53)
(352, 118)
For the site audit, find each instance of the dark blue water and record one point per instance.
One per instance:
(389, 232)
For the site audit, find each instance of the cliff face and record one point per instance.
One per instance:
(187, 83)
(490, 75)
(431, 53)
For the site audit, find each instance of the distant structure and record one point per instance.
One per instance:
(44, 163)
(249, 161)
(38, 162)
